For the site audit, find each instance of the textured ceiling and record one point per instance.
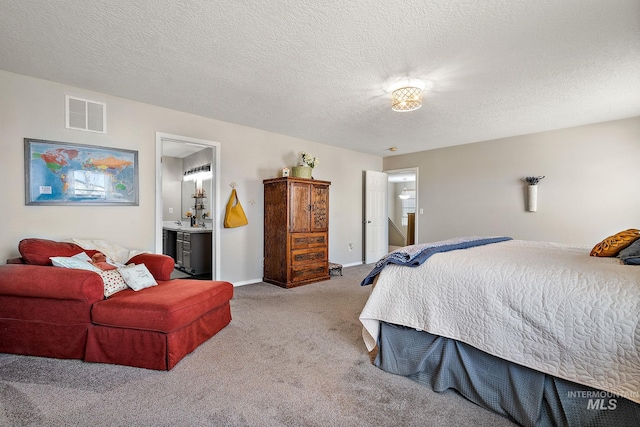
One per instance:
(318, 69)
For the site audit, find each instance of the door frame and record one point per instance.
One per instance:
(413, 170)
(215, 201)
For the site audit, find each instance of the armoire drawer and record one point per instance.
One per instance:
(306, 272)
(307, 256)
(308, 240)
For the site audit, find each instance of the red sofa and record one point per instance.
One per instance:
(58, 312)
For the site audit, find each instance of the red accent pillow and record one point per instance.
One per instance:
(38, 251)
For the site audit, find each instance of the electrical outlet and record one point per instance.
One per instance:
(421, 211)
(170, 210)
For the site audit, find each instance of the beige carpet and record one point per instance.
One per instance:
(289, 358)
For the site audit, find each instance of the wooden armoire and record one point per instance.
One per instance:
(296, 231)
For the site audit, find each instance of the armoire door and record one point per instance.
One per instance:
(319, 207)
(300, 208)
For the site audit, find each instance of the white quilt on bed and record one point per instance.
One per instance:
(547, 306)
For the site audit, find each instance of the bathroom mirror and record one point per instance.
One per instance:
(188, 190)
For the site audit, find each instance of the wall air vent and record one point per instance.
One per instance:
(83, 114)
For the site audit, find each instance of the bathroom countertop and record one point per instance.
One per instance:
(187, 228)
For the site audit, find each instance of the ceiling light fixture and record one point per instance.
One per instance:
(406, 95)
(404, 195)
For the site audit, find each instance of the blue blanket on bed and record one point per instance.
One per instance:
(415, 255)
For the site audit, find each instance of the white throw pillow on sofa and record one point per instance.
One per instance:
(112, 279)
(138, 277)
(73, 262)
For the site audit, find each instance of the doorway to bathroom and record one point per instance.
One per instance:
(176, 155)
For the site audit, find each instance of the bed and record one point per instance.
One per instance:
(539, 332)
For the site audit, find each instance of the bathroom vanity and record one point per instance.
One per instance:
(190, 247)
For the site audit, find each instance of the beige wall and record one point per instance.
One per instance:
(32, 108)
(171, 188)
(591, 189)
(590, 192)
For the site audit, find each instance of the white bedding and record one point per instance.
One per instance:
(547, 306)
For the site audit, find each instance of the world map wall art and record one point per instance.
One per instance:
(63, 173)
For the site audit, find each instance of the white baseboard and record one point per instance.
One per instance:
(353, 264)
(247, 282)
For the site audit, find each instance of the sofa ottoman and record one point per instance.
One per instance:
(156, 327)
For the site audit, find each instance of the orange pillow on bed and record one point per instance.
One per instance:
(614, 244)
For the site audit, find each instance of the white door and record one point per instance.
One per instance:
(376, 234)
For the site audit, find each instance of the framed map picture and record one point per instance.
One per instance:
(62, 173)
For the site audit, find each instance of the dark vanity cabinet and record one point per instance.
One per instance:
(169, 238)
(191, 250)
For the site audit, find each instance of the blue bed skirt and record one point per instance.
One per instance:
(525, 396)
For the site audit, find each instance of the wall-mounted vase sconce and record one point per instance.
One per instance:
(532, 192)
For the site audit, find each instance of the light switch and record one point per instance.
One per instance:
(421, 211)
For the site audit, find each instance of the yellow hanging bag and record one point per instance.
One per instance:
(234, 214)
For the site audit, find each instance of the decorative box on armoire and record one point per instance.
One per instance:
(296, 231)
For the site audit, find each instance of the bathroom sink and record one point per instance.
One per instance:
(194, 229)
(176, 227)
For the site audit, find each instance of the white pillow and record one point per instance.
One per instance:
(73, 262)
(138, 277)
(82, 256)
(113, 281)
